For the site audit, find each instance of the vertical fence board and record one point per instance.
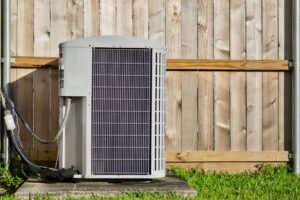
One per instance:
(58, 24)
(221, 29)
(254, 29)
(25, 28)
(140, 18)
(237, 79)
(41, 28)
(124, 17)
(221, 111)
(221, 79)
(157, 20)
(108, 17)
(285, 111)
(189, 29)
(206, 111)
(14, 27)
(270, 80)
(25, 104)
(42, 113)
(75, 19)
(254, 111)
(205, 29)
(173, 28)
(281, 28)
(54, 106)
(189, 125)
(91, 18)
(173, 111)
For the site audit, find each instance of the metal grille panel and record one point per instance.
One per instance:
(121, 111)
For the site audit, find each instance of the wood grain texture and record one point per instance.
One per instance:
(205, 29)
(189, 122)
(221, 29)
(254, 29)
(281, 29)
(58, 25)
(270, 111)
(254, 111)
(24, 96)
(14, 27)
(75, 19)
(25, 28)
(227, 65)
(42, 112)
(228, 167)
(91, 18)
(237, 29)
(205, 111)
(42, 27)
(140, 18)
(189, 29)
(238, 117)
(173, 28)
(270, 29)
(108, 17)
(173, 111)
(225, 156)
(221, 111)
(157, 19)
(285, 110)
(124, 17)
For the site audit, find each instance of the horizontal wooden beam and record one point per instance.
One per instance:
(227, 65)
(227, 156)
(177, 64)
(33, 62)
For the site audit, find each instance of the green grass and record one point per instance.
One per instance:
(267, 183)
(9, 181)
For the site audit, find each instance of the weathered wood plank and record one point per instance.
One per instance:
(189, 29)
(205, 29)
(42, 27)
(228, 167)
(32, 62)
(173, 111)
(124, 17)
(14, 27)
(173, 28)
(189, 119)
(281, 29)
(25, 28)
(270, 111)
(205, 111)
(285, 111)
(157, 20)
(238, 111)
(91, 18)
(41, 100)
(140, 18)
(225, 156)
(24, 96)
(108, 17)
(75, 19)
(221, 29)
(221, 111)
(254, 111)
(254, 29)
(58, 25)
(270, 80)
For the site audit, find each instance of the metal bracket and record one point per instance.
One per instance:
(291, 64)
(290, 156)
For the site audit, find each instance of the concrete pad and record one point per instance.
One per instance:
(166, 185)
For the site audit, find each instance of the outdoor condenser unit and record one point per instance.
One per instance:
(116, 125)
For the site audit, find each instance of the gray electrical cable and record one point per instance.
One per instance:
(41, 140)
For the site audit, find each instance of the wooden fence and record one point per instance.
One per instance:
(203, 29)
(241, 107)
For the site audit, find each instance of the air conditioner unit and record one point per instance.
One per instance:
(116, 125)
